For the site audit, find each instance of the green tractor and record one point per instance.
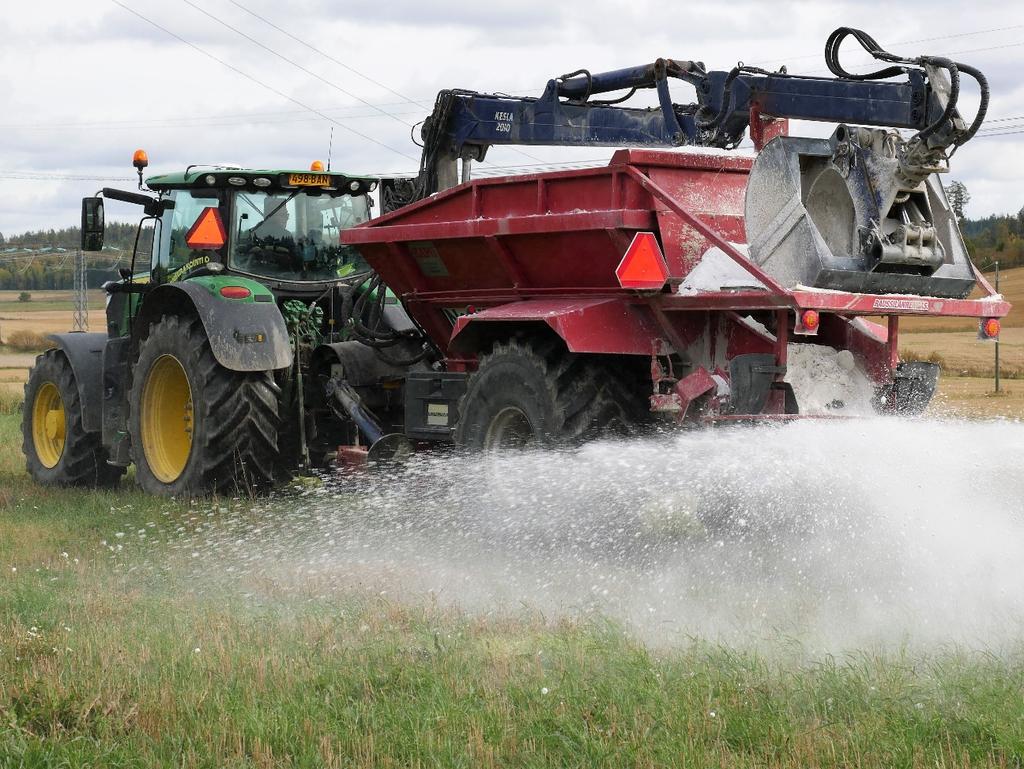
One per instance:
(203, 377)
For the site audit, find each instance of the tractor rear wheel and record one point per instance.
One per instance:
(198, 428)
(524, 395)
(58, 451)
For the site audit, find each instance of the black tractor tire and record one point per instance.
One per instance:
(229, 419)
(525, 395)
(78, 457)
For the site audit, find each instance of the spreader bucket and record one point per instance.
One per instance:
(840, 214)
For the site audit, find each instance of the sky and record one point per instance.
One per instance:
(263, 83)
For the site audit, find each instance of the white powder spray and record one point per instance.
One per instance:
(836, 533)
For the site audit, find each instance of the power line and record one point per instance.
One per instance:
(289, 61)
(259, 82)
(942, 53)
(200, 123)
(294, 63)
(910, 42)
(38, 176)
(327, 56)
(167, 119)
(1001, 133)
(519, 151)
(221, 118)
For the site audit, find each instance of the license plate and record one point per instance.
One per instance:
(309, 180)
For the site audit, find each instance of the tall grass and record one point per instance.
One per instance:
(25, 340)
(10, 403)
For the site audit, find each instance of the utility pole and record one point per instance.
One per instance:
(997, 338)
(81, 297)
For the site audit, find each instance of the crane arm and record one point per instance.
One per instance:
(465, 124)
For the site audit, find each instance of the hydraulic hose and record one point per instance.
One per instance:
(368, 325)
(983, 88)
(901, 65)
(954, 94)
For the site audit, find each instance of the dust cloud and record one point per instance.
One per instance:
(839, 534)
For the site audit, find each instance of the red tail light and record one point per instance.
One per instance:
(808, 322)
(235, 292)
(990, 328)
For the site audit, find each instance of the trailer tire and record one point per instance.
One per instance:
(524, 395)
(58, 451)
(198, 428)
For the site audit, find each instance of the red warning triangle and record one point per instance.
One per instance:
(207, 232)
(643, 266)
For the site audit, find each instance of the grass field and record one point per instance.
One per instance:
(974, 397)
(110, 655)
(959, 353)
(109, 658)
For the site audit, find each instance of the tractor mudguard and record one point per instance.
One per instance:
(244, 335)
(85, 354)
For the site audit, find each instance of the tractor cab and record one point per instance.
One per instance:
(280, 228)
(243, 234)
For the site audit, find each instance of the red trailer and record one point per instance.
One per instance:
(594, 286)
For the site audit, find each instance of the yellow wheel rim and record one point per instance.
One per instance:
(166, 418)
(48, 424)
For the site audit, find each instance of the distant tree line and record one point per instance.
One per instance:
(30, 261)
(44, 275)
(116, 235)
(991, 238)
(996, 238)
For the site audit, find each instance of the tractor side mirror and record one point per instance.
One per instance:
(92, 224)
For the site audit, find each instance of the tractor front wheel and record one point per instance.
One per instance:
(198, 428)
(524, 395)
(58, 451)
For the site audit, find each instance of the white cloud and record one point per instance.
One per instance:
(86, 83)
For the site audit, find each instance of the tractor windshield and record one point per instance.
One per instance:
(295, 235)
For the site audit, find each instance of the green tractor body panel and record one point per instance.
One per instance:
(218, 285)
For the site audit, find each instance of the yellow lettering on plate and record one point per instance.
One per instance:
(309, 180)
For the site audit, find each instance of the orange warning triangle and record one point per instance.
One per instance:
(643, 266)
(207, 232)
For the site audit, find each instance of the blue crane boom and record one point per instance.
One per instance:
(465, 124)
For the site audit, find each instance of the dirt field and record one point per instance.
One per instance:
(14, 368)
(44, 322)
(49, 312)
(95, 296)
(960, 351)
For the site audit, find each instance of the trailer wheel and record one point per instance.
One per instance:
(58, 451)
(523, 396)
(198, 428)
